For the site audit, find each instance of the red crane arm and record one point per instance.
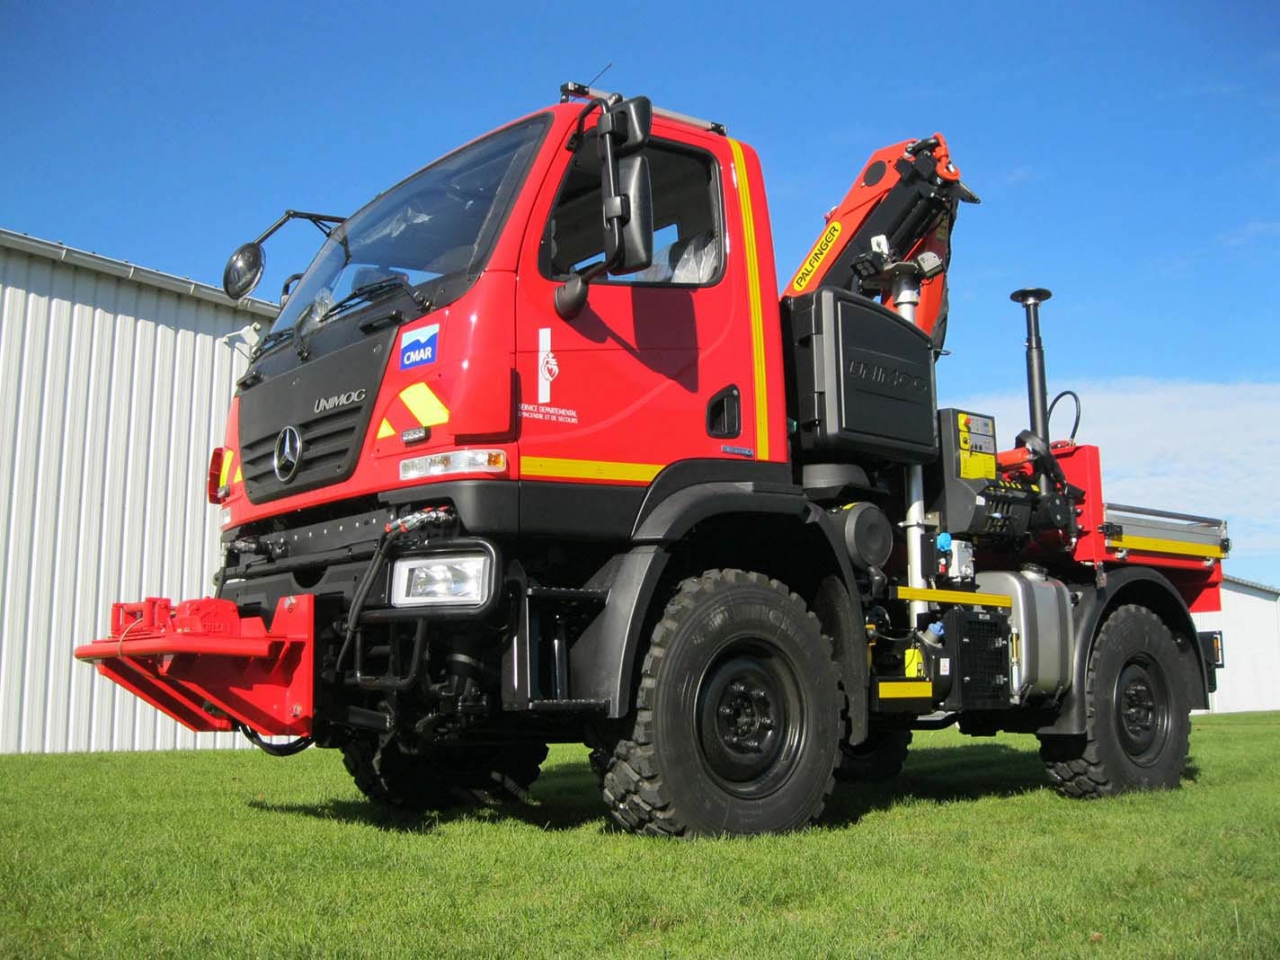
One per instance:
(903, 204)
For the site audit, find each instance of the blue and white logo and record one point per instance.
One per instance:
(418, 347)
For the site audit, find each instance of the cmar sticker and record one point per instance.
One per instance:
(418, 347)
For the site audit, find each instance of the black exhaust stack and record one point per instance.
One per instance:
(1037, 392)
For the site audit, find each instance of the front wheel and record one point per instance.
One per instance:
(440, 776)
(1138, 723)
(738, 715)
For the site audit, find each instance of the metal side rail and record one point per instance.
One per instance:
(210, 669)
(1143, 530)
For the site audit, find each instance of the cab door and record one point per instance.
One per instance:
(657, 367)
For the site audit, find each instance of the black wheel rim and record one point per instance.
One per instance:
(1142, 710)
(750, 718)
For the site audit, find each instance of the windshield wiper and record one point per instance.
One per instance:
(365, 294)
(270, 340)
(374, 291)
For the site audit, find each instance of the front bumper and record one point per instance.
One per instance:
(211, 669)
(216, 665)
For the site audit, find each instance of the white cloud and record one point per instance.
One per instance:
(1205, 448)
(1250, 233)
(1021, 174)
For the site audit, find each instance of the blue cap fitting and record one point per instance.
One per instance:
(944, 541)
(937, 629)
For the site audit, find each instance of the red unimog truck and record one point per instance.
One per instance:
(535, 452)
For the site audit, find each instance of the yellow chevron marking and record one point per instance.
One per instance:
(424, 405)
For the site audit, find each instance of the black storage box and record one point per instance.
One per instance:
(863, 384)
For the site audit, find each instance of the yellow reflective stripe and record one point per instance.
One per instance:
(906, 689)
(239, 475)
(587, 469)
(753, 297)
(225, 472)
(955, 596)
(386, 430)
(1156, 545)
(424, 405)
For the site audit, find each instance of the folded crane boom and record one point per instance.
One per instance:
(901, 208)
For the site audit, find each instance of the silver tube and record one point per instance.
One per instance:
(906, 296)
(915, 540)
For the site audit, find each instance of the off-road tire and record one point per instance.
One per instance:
(878, 758)
(1137, 725)
(440, 777)
(737, 720)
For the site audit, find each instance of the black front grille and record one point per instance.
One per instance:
(328, 442)
(332, 439)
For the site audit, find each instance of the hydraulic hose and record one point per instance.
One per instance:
(362, 592)
(274, 749)
(1074, 396)
(393, 530)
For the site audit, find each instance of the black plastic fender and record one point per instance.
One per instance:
(1141, 585)
(603, 659)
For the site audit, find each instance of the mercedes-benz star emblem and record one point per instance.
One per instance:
(288, 455)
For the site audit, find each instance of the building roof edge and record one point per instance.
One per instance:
(61, 253)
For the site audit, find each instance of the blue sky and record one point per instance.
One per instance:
(1127, 154)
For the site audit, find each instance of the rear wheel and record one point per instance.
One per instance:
(440, 776)
(1137, 722)
(738, 715)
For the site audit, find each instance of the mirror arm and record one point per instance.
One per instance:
(571, 296)
(321, 221)
(614, 209)
(574, 141)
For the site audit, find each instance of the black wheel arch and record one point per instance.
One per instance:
(1145, 587)
(698, 526)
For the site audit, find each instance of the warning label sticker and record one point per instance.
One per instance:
(977, 442)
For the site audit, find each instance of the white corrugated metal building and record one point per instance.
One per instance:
(114, 388)
(1250, 625)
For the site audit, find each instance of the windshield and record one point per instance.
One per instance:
(441, 221)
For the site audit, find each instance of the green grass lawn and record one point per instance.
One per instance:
(968, 853)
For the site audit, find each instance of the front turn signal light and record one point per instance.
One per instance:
(455, 461)
(216, 489)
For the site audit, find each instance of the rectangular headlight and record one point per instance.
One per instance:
(455, 461)
(441, 580)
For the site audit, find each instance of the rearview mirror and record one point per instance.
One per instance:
(630, 248)
(629, 122)
(243, 271)
(627, 199)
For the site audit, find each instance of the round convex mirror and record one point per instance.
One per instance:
(244, 270)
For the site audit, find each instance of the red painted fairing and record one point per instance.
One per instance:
(1198, 583)
(472, 379)
(209, 668)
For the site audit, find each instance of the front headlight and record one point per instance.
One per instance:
(441, 580)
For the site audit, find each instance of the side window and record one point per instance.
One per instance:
(688, 241)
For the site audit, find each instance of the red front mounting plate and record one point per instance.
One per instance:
(209, 668)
